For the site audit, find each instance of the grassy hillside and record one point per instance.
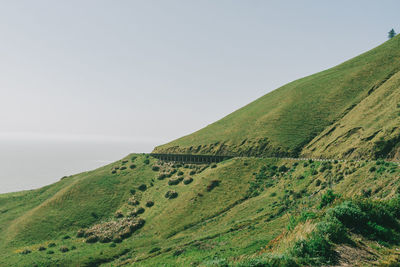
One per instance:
(208, 222)
(369, 130)
(284, 121)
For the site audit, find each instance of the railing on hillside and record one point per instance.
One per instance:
(190, 158)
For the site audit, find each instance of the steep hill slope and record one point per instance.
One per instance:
(284, 121)
(370, 130)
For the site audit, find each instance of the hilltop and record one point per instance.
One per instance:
(348, 111)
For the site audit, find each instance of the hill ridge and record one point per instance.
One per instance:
(284, 121)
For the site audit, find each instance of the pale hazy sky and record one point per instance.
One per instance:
(157, 70)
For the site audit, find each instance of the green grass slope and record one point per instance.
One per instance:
(231, 214)
(369, 130)
(284, 121)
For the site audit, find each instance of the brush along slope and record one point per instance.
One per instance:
(228, 212)
(284, 121)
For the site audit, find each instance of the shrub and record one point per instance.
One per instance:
(283, 168)
(50, 252)
(188, 180)
(73, 248)
(162, 176)
(52, 245)
(372, 169)
(318, 182)
(118, 214)
(327, 198)
(132, 201)
(136, 212)
(315, 250)
(80, 233)
(92, 239)
(132, 166)
(332, 229)
(171, 194)
(113, 245)
(142, 187)
(113, 171)
(132, 191)
(180, 173)
(149, 204)
(193, 172)
(123, 168)
(348, 214)
(300, 177)
(175, 181)
(366, 192)
(213, 166)
(272, 194)
(305, 164)
(41, 248)
(146, 161)
(314, 172)
(26, 251)
(156, 168)
(213, 184)
(66, 237)
(64, 249)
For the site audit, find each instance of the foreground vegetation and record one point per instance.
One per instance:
(240, 212)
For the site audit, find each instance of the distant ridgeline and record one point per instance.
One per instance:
(351, 111)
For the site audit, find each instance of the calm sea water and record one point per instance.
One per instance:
(30, 164)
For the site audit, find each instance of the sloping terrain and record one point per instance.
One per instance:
(237, 212)
(284, 121)
(370, 130)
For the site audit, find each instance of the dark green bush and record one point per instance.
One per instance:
(213, 166)
(146, 161)
(332, 229)
(327, 198)
(171, 194)
(188, 180)
(156, 168)
(132, 166)
(314, 251)
(318, 182)
(52, 245)
(50, 252)
(372, 169)
(142, 187)
(41, 248)
(180, 173)
(175, 181)
(123, 168)
(213, 184)
(283, 168)
(192, 172)
(64, 249)
(26, 251)
(149, 204)
(162, 176)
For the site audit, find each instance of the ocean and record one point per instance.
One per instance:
(32, 163)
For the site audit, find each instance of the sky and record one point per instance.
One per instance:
(153, 71)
